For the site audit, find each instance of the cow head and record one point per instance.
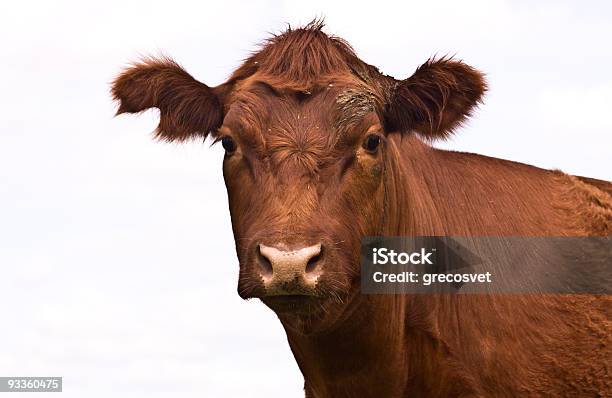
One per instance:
(305, 126)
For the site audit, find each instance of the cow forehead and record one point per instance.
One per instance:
(301, 133)
(331, 111)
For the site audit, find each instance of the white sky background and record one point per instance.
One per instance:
(117, 266)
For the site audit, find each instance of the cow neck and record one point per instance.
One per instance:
(412, 203)
(413, 175)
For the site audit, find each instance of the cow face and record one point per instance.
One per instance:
(304, 174)
(305, 127)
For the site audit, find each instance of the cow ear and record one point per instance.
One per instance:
(436, 99)
(187, 108)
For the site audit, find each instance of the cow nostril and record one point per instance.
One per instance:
(314, 261)
(264, 262)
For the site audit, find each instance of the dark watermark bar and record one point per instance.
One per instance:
(486, 265)
(30, 384)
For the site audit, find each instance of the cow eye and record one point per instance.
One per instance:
(228, 144)
(371, 143)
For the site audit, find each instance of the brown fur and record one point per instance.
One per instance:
(299, 110)
(187, 107)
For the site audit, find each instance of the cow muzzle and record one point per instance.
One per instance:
(290, 272)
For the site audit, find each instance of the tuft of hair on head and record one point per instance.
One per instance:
(299, 58)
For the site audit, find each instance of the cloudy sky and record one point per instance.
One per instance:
(116, 255)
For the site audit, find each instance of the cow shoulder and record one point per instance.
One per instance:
(588, 203)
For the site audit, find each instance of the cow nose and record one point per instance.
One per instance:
(286, 272)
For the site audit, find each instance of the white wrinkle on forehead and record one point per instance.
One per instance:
(354, 104)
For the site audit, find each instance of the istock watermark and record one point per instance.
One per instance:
(431, 264)
(384, 256)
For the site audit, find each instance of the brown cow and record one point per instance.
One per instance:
(321, 150)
